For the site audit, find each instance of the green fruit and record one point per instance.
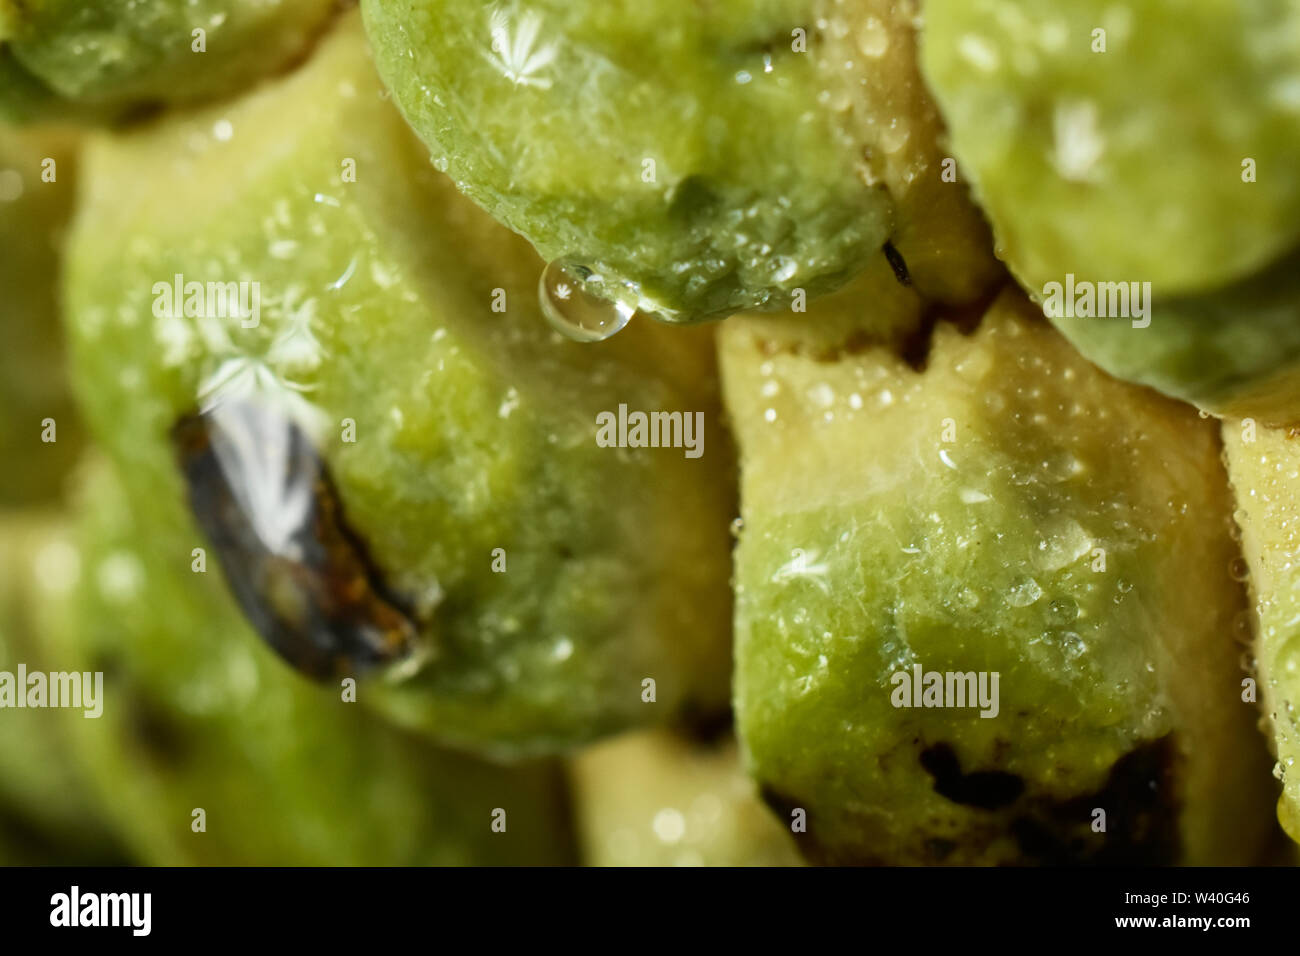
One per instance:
(38, 424)
(47, 812)
(1264, 465)
(1109, 164)
(1233, 352)
(1006, 510)
(657, 799)
(61, 57)
(688, 159)
(548, 578)
(197, 715)
(1188, 188)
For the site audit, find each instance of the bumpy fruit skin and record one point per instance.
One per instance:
(697, 158)
(1264, 465)
(475, 430)
(1110, 167)
(34, 214)
(47, 811)
(198, 714)
(1109, 164)
(658, 799)
(1234, 352)
(1054, 540)
(91, 59)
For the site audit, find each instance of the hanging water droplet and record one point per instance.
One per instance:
(1239, 569)
(573, 311)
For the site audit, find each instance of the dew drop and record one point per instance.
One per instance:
(1024, 593)
(786, 268)
(573, 311)
(1063, 610)
(1239, 569)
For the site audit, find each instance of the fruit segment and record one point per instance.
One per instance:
(48, 814)
(963, 626)
(84, 60)
(40, 434)
(1264, 465)
(689, 159)
(659, 799)
(209, 752)
(1098, 164)
(295, 251)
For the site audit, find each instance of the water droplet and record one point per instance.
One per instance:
(1063, 610)
(786, 268)
(1239, 569)
(1024, 593)
(1064, 541)
(573, 311)
(1073, 645)
(737, 526)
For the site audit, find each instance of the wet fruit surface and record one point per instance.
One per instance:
(985, 515)
(692, 159)
(399, 328)
(1182, 194)
(1264, 465)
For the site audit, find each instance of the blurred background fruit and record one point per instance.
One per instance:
(549, 577)
(199, 715)
(69, 59)
(1094, 158)
(657, 798)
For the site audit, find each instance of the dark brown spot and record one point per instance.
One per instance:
(983, 789)
(302, 577)
(1142, 806)
(898, 264)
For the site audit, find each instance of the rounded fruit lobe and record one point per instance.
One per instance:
(398, 327)
(98, 60)
(1264, 465)
(1098, 164)
(197, 715)
(1091, 153)
(1005, 510)
(687, 159)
